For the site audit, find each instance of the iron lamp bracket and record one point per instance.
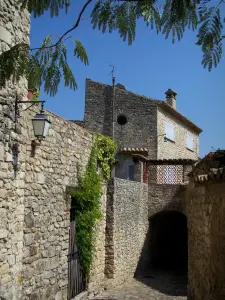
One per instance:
(17, 102)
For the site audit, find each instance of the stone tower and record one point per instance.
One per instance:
(135, 116)
(135, 124)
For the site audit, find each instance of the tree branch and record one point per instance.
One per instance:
(69, 30)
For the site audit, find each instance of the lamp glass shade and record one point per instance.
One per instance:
(41, 125)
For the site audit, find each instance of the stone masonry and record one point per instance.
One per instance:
(14, 28)
(165, 197)
(49, 171)
(177, 149)
(127, 219)
(129, 201)
(145, 121)
(141, 113)
(38, 246)
(206, 240)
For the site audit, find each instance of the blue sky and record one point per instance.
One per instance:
(149, 67)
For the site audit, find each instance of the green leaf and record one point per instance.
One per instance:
(80, 52)
(177, 15)
(210, 36)
(111, 15)
(14, 63)
(87, 197)
(39, 7)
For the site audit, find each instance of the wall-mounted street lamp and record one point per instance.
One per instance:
(41, 124)
(40, 121)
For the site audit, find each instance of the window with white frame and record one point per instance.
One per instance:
(169, 130)
(190, 142)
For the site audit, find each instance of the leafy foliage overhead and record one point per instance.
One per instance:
(210, 35)
(48, 65)
(39, 7)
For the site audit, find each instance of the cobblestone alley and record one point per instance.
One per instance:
(158, 286)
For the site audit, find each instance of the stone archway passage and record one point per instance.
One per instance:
(167, 246)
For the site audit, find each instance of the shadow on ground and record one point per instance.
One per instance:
(163, 261)
(172, 283)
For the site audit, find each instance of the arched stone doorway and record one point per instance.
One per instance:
(164, 258)
(167, 245)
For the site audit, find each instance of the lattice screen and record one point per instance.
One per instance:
(165, 174)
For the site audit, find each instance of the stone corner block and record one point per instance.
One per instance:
(5, 36)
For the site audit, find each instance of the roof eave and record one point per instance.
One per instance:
(179, 116)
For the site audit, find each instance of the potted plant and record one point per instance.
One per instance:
(33, 94)
(217, 158)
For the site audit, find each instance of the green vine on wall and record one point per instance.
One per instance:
(105, 151)
(87, 197)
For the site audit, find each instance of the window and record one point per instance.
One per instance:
(190, 142)
(131, 172)
(129, 169)
(121, 119)
(169, 131)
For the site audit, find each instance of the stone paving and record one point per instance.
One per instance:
(159, 286)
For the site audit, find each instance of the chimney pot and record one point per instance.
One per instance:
(171, 98)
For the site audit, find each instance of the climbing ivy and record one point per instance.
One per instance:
(87, 196)
(105, 150)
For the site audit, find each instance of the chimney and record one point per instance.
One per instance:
(171, 98)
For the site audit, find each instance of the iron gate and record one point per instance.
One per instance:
(76, 279)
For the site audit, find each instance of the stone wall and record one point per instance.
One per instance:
(97, 274)
(14, 29)
(127, 223)
(46, 235)
(137, 132)
(165, 197)
(176, 149)
(34, 231)
(206, 241)
(98, 107)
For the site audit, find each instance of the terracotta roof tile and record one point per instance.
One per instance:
(133, 149)
(173, 161)
(215, 174)
(179, 116)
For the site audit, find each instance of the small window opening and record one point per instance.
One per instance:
(121, 119)
(131, 172)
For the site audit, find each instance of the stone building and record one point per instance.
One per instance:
(162, 208)
(142, 126)
(157, 147)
